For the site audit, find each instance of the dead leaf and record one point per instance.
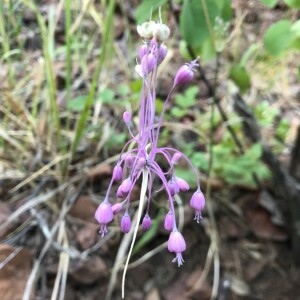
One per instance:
(84, 209)
(87, 235)
(88, 271)
(13, 274)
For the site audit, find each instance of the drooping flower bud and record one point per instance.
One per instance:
(198, 203)
(126, 223)
(173, 187)
(104, 215)
(127, 117)
(129, 161)
(117, 173)
(146, 223)
(124, 188)
(148, 63)
(182, 184)
(146, 30)
(161, 32)
(176, 157)
(185, 73)
(162, 52)
(169, 221)
(116, 208)
(140, 163)
(143, 51)
(176, 243)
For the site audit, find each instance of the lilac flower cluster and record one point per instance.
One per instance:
(131, 163)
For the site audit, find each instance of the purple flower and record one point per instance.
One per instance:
(116, 208)
(185, 73)
(127, 117)
(124, 188)
(125, 223)
(140, 154)
(176, 244)
(117, 173)
(148, 63)
(146, 223)
(182, 184)
(169, 221)
(104, 215)
(198, 203)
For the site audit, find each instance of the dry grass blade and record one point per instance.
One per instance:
(40, 172)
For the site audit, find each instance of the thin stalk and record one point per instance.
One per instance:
(140, 210)
(81, 124)
(6, 46)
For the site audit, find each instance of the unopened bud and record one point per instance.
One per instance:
(146, 30)
(127, 117)
(161, 32)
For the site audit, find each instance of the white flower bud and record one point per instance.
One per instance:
(161, 32)
(146, 30)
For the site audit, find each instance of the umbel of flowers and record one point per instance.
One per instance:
(143, 156)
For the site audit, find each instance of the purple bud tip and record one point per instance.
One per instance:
(182, 184)
(140, 163)
(173, 187)
(176, 158)
(146, 223)
(125, 223)
(104, 215)
(162, 52)
(116, 208)
(148, 63)
(169, 221)
(185, 73)
(124, 188)
(127, 117)
(176, 244)
(129, 161)
(117, 173)
(198, 203)
(143, 51)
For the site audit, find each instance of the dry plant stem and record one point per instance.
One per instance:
(34, 272)
(140, 210)
(119, 259)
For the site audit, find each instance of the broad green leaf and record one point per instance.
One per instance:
(193, 25)
(178, 112)
(200, 160)
(292, 3)
(240, 77)
(278, 37)
(77, 104)
(225, 9)
(107, 95)
(188, 98)
(123, 90)
(269, 3)
(143, 11)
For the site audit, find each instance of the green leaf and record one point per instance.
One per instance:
(292, 3)
(193, 25)
(107, 96)
(178, 112)
(240, 77)
(143, 11)
(278, 37)
(225, 9)
(123, 90)
(188, 99)
(269, 3)
(77, 104)
(200, 160)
